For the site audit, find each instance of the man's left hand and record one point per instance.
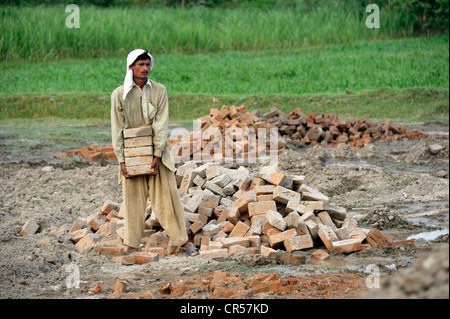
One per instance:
(154, 165)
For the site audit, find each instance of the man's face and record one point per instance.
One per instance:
(141, 69)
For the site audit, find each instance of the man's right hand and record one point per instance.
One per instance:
(123, 169)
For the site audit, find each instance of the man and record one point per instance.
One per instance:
(141, 102)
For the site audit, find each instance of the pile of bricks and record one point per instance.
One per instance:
(233, 211)
(93, 153)
(232, 125)
(315, 128)
(330, 130)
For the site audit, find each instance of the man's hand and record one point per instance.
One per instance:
(123, 169)
(154, 165)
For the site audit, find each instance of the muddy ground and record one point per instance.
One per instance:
(399, 187)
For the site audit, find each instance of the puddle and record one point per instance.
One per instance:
(431, 235)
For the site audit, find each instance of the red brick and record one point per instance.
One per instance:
(298, 243)
(155, 250)
(239, 230)
(327, 236)
(79, 234)
(267, 251)
(110, 251)
(276, 239)
(96, 220)
(260, 208)
(377, 237)
(108, 206)
(95, 157)
(119, 287)
(347, 246)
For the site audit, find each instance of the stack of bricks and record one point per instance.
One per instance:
(226, 129)
(315, 128)
(93, 153)
(231, 211)
(329, 130)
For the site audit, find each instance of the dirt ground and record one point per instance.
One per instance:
(399, 187)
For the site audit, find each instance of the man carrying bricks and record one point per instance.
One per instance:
(143, 102)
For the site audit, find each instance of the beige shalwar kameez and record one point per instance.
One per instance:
(147, 106)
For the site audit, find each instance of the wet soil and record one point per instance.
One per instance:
(401, 183)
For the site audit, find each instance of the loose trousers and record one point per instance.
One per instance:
(165, 202)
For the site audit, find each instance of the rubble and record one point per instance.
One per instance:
(288, 219)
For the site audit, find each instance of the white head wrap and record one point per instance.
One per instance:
(132, 56)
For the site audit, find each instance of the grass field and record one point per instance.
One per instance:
(403, 79)
(114, 31)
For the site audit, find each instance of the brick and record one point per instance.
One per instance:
(233, 214)
(157, 240)
(96, 220)
(326, 220)
(254, 241)
(298, 243)
(271, 175)
(309, 193)
(238, 249)
(137, 152)
(299, 208)
(205, 211)
(227, 227)
(198, 181)
(264, 198)
(292, 220)
(210, 200)
(377, 237)
(213, 253)
(85, 244)
(221, 180)
(261, 208)
(257, 225)
(307, 216)
(327, 236)
(320, 254)
(276, 239)
(276, 220)
(268, 252)
(194, 202)
(138, 161)
(137, 132)
(119, 287)
(95, 157)
(104, 229)
(78, 224)
(313, 228)
(108, 206)
(212, 170)
(214, 188)
(210, 230)
(347, 246)
(242, 241)
(239, 230)
(187, 182)
(263, 189)
(110, 251)
(30, 228)
(77, 235)
(229, 189)
(137, 258)
(244, 200)
(196, 226)
(138, 141)
(357, 234)
(337, 212)
(316, 205)
(284, 195)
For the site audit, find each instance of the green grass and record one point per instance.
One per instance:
(408, 63)
(40, 32)
(404, 80)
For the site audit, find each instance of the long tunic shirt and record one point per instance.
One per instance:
(147, 106)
